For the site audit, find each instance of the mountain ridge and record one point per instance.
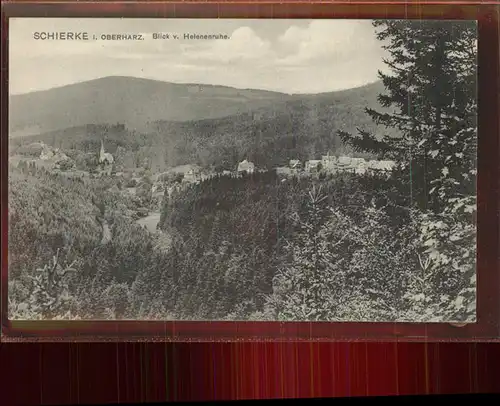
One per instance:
(137, 78)
(137, 102)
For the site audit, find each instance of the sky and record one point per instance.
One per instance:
(291, 56)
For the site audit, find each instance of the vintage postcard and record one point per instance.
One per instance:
(242, 170)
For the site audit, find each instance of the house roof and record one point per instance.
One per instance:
(344, 160)
(246, 163)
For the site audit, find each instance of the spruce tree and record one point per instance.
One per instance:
(430, 100)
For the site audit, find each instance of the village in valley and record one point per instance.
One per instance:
(154, 187)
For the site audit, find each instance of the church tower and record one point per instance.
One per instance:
(101, 153)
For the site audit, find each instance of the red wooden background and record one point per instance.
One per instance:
(73, 373)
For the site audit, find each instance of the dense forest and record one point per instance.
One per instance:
(241, 248)
(330, 246)
(234, 242)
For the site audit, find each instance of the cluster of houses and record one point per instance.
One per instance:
(333, 164)
(327, 164)
(194, 174)
(39, 155)
(42, 155)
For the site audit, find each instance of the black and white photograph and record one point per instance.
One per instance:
(242, 170)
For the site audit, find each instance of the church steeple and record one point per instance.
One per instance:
(101, 153)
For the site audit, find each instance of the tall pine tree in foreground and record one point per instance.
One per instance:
(431, 97)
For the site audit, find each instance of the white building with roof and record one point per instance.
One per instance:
(246, 166)
(313, 165)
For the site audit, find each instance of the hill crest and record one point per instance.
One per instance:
(137, 102)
